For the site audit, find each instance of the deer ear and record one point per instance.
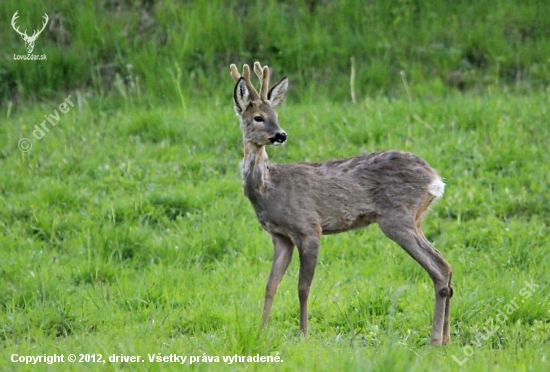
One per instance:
(277, 93)
(241, 97)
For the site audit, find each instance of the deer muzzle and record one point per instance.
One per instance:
(278, 139)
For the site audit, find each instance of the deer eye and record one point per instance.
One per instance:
(258, 119)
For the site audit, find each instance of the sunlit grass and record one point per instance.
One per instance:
(157, 51)
(126, 232)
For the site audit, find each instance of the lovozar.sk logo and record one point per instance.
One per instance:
(29, 40)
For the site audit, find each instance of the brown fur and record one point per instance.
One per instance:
(296, 203)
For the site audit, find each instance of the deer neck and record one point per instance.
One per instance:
(255, 170)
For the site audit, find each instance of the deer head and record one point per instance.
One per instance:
(259, 121)
(29, 40)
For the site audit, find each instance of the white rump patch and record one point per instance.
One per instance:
(436, 188)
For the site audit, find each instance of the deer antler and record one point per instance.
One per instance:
(234, 72)
(24, 34)
(36, 32)
(263, 74)
(13, 20)
(29, 40)
(246, 76)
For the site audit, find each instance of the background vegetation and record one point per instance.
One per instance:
(124, 229)
(170, 50)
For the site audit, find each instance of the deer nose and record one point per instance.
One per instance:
(279, 138)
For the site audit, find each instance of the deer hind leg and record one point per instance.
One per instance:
(445, 292)
(447, 323)
(309, 250)
(283, 248)
(403, 230)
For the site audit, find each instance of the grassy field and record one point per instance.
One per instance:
(165, 50)
(126, 232)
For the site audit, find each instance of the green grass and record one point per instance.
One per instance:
(126, 232)
(161, 50)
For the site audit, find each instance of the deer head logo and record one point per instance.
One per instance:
(29, 40)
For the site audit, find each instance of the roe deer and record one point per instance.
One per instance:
(296, 203)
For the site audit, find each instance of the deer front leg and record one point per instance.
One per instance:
(283, 248)
(309, 250)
